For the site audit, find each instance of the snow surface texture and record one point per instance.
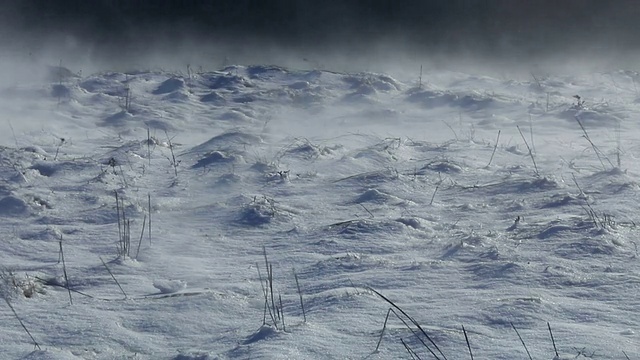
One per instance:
(425, 193)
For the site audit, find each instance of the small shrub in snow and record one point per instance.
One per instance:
(259, 212)
(12, 285)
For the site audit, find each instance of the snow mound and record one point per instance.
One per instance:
(377, 197)
(266, 72)
(410, 222)
(51, 354)
(227, 81)
(108, 84)
(372, 82)
(12, 206)
(259, 212)
(305, 149)
(217, 157)
(264, 332)
(213, 97)
(195, 356)
(437, 98)
(169, 286)
(59, 74)
(229, 141)
(169, 86)
(235, 116)
(443, 166)
(299, 85)
(120, 118)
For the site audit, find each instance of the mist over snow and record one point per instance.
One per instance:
(301, 180)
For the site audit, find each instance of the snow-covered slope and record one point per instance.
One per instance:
(464, 200)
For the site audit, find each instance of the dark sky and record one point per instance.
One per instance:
(519, 28)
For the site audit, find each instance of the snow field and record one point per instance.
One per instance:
(358, 181)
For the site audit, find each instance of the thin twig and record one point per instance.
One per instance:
(599, 153)
(120, 238)
(55, 157)
(35, 343)
(64, 271)
(270, 276)
(416, 334)
(268, 290)
(304, 314)
(533, 145)
(264, 292)
(113, 276)
(173, 156)
(494, 149)
(269, 279)
(410, 351)
(553, 341)
(450, 128)
(530, 152)
(577, 185)
(124, 179)
(144, 223)
(536, 80)
(384, 327)
(466, 338)
(412, 321)
(367, 210)
(149, 204)
(14, 134)
(433, 196)
(589, 210)
(522, 341)
(149, 146)
(127, 238)
(284, 326)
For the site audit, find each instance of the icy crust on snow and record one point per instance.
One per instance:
(465, 200)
